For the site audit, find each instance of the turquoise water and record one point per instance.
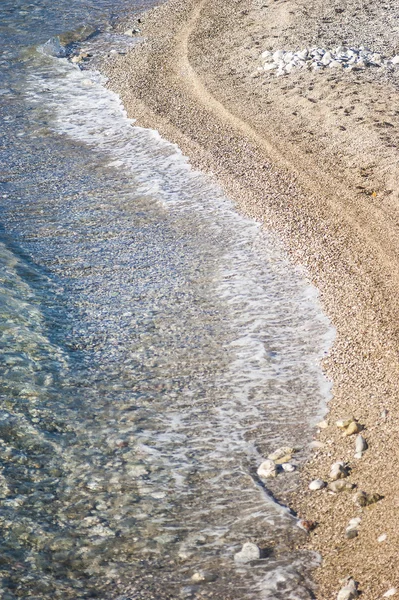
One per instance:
(156, 347)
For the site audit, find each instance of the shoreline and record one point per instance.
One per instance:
(278, 148)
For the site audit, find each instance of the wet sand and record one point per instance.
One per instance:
(314, 157)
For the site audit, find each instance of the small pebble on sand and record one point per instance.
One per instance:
(344, 422)
(349, 590)
(390, 593)
(317, 484)
(338, 471)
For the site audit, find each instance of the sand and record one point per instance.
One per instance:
(314, 157)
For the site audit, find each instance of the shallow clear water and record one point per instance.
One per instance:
(156, 346)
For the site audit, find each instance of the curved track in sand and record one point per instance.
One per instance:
(354, 214)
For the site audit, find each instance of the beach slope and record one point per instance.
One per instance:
(314, 156)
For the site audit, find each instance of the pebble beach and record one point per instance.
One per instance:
(291, 108)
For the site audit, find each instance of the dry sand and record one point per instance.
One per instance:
(314, 156)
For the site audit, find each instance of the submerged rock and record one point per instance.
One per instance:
(203, 577)
(81, 34)
(267, 469)
(280, 453)
(248, 553)
(288, 467)
(131, 32)
(53, 47)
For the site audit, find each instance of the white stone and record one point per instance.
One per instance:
(376, 58)
(382, 538)
(360, 446)
(267, 469)
(248, 553)
(270, 66)
(279, 54)
(334, 64)
(289, 68)
(395, 60)
(349, 591)
(316, 444)
(303, 54)
(354, 522)
(389, 593)
(288, 467)
(288, 56)
(317, 484)
(266, 54)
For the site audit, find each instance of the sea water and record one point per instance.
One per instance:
(156, 346)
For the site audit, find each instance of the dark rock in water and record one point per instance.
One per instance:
(81, 34)
(53, 47)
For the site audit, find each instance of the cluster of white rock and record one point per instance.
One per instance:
(284, 62)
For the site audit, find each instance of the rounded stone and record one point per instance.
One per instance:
(317, 484)
(248, 553)
(267, 469)
(203, 577)
(288, 467)
(281, 453)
